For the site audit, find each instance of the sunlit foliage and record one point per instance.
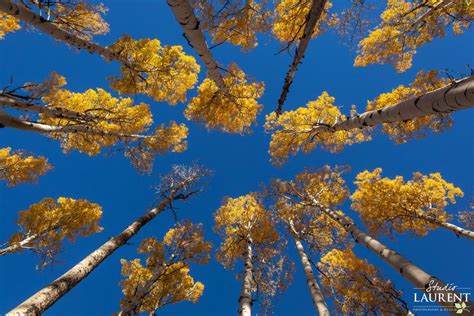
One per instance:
(8, 24)
(17, 167)
(165, 279)
(45, 225)
(402, 131)
(407, 25)
(307, 127)
(395, 205)
(290, 19)
(357, 286)
(232, 110)
(164, 73)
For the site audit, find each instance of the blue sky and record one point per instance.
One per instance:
(240, 163)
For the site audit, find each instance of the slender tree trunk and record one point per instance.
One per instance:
(31, 18)
(185, 16)
(422, 280)
(316, 294)
(459, 231)
(421, 19)
(19, 245)
(453, 97)
(7, 101)
(317, 8)
(43, 299)
(245, 300)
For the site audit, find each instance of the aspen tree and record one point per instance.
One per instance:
(164, 73)
(408, 25)
(249, 234)
(17, 167)
(406, 112)
(91, 121)
(416, 206)
(358, 286)
(164, 278)
(302, 191)
(44, 226)
(181, 183)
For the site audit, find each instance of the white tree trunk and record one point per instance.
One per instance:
(31, 18)
(43, 299)
(453, 97)
(316, 294)
(408, 270)
(20, 245)
(188, 21)
(459, 231)
(245, 300)
(317, 8)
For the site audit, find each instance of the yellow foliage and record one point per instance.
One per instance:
(291, 16)
(50, 222)
(405, 28)
(357, 285)
(240, 221)
(8, 24)
(402, 131)
(307, 127)
(80, 18)
(233, 110)
(234, 22)
(415, 206)
(172, 282)
(164, 73)
(17, 167)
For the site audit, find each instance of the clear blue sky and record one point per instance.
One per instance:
(240, 163)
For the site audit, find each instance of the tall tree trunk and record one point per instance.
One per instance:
(245, 300)
(20, 245)
(31, 18)
(453, 97)
(185, 16)
(422, 280)
(317, 8)
(316, 294)
(43, 299)
(459, 231)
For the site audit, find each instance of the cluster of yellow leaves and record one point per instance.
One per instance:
(416, 206)
(240, 221)
(164, 73)
(407, 25)
(233, 110)
(50, 222)
(183, 244)
(291, 17)
(8, 24)
(16, 167)
(307, 127)
(357, 285)
(235, 22)
(402, 131)
(78, 17)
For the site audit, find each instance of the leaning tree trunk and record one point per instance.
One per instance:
(453, 97)
(459, 231)
(245, 300)
(43, 299)
(316, 294)
(422, 280)
(185, 16)
(317, 8)
(19, 245)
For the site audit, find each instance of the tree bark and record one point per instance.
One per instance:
(19, 245)
(185, 16)
(453, 97)
(43, 299)
(316, 294)
(317, 8)
(459, 231)
(422, 280)
(245, 300)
